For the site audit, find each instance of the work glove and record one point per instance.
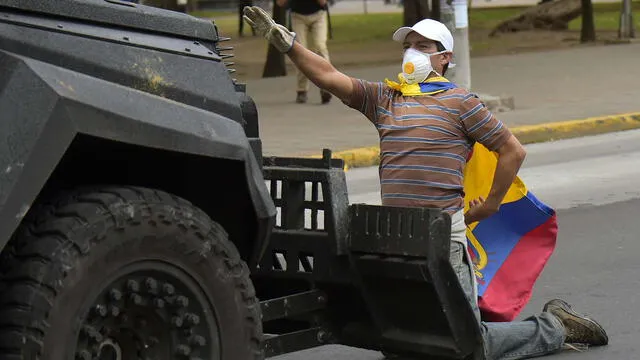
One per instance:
(279, 36)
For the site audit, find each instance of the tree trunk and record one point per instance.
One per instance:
(549, 15)
(275, 65)
(415, 10)
(588, 30)
(435, 10)
(192, 5)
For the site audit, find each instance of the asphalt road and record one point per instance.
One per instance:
(593, 184)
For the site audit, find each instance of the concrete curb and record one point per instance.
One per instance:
(369, 156)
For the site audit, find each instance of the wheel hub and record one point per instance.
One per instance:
(109, 350)
(148, 315)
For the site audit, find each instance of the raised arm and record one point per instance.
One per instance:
(313, 66)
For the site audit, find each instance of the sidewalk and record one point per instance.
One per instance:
(547, 87)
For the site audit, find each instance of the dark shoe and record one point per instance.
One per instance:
(325, 96)
(302, 97)
(580, 329)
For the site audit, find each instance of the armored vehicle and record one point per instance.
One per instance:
(139, 219)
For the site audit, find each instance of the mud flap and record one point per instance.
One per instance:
(400, 262)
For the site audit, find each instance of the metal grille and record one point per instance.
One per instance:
(288, 210)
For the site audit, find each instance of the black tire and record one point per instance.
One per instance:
(105, 257)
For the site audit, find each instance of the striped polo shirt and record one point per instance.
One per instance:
(425, 142)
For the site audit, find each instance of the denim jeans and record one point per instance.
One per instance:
(535, 336)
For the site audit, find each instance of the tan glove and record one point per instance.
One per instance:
(278, 35)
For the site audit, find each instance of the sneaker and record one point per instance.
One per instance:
(325, 96)
(302, 97)
(580, 329)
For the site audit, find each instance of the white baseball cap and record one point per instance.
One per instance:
(429, 28)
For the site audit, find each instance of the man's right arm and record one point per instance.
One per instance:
(313, 66)
(321, 72)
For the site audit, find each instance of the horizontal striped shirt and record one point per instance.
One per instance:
(425, 141)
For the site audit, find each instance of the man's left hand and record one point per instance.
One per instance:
(479, 209)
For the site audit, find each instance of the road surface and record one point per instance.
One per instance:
(594, 185)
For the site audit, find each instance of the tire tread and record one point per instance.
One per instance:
(46, 237)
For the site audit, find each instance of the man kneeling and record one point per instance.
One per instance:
(427, 127)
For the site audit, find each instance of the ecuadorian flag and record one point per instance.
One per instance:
(510, 248)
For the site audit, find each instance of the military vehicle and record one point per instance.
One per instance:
(139, 219)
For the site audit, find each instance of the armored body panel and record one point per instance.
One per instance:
(128, 92)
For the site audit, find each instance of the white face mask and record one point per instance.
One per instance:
(416, 65)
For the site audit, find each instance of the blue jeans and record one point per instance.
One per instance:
(535, 336)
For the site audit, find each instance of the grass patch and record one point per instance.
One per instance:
(228, 25)
(213, 14)
(488, 18)
(607, 16)
(359, 28)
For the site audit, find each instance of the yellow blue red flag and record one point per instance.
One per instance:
(510, 248)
